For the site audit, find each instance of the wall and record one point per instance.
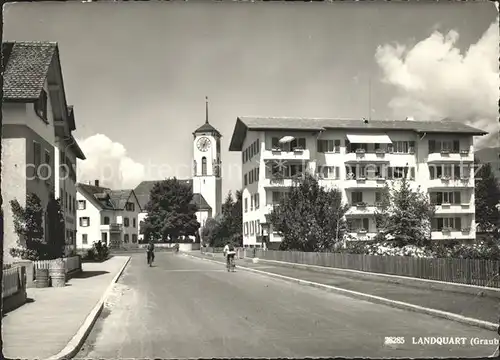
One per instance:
(22, 126)
(132, 229)
(252, 214)
(93, 231)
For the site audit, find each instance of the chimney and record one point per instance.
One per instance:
(96, 182)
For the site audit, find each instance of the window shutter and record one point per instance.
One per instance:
(365, 224)
(458, 223)
(319, 145)
(457, 171)
(457, 197)
(347, 146)
(391, 172)
(432, 146)
(434, 224)
(390, 148)
(456, 146)
(434, 198)
(337, 172)
(432, 173)
(412, 173)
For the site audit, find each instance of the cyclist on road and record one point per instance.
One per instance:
(229, 253)
(150, 252)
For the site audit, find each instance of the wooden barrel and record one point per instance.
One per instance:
(42, 278)
(58, 273)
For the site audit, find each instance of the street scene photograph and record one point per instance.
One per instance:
(250, 179)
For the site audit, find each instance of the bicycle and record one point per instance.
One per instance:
(231, 265)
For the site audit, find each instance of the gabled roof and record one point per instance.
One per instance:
(143, 191)
(106, 198)
(244, 124)
(26, 69)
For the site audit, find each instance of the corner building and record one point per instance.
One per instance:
(359, 157)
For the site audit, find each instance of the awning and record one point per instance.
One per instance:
(369, 139)
(286, 139)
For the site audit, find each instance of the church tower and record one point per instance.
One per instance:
(207, 174)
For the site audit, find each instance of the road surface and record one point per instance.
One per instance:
(191, 308)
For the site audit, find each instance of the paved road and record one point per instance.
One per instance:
(190, 308)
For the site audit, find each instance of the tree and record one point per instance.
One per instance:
(56, 232)
(405, 215)
(28, 225)
(231, 222)
(487, 197)
(170, 211)
(310, 217)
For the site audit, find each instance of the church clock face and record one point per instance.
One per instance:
(203, 144)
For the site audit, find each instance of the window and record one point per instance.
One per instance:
(275, 143)
(81, 204)
(46, 172)
(134, 222)
(74, 205)
(439, 224)
(245, 180)
(126, 222)
(134, 238)
(106, 220)
(125, 238)
(251, 227)
(298, 143)
(41, 106)
(130, 206)
(84, 221)
(357, 197)
(358, 224)
(37, 157)
(203, 166)
(447, 197)
(378, 196)
(257, 201)
(251, 202)
(259, 230)
(246, 205)
(329, 172)
(70, 203)
(61, 194)
(104, 237)
(66, 200)
(278, 196)
(401, 147)
(250, 177)
(246, 228)
(84, 239)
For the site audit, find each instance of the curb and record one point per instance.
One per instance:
(376, 299)
(74, 345)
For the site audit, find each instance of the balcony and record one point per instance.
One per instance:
(463, 208)
(362, 209)
(362, 235)
(453, 234)
(451, 182)
(366, 183)
(278, 182)
(450, 156)
(361, 155)
(296, 154)
(112, 228)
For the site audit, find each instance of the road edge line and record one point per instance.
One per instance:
(375, 299)
(76, 342)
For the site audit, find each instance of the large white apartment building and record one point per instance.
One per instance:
(359, 157)
(106, 215)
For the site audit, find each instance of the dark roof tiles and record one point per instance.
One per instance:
(26, 69)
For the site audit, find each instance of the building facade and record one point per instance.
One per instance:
(106, 215)
(358, 157)
(35, 114)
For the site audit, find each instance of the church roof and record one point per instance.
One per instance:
(143, 191)
(207, 128)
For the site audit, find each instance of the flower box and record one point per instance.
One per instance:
(446, 230)
(361, 231)
(464, 152)
(465, 230)
(445, 152)
(298, 149)
(360, 151)
(276, 149)
(445, 178)
(361, 205)
(380, 151)
(361, 179)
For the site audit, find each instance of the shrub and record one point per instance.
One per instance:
(98, 252)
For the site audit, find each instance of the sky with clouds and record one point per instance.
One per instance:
(138, 73)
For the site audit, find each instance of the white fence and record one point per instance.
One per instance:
(11, 282)
(71, 263)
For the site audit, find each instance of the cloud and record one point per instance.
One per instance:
(108, 162)
(434, 80)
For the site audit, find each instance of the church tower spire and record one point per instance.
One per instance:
(206, 109)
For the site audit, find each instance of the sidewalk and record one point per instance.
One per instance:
(481, 308)
(44, 326)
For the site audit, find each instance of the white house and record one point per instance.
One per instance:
(35, 114)
(206, 182)
(106, 215)
(359, 157)
(65, 159)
